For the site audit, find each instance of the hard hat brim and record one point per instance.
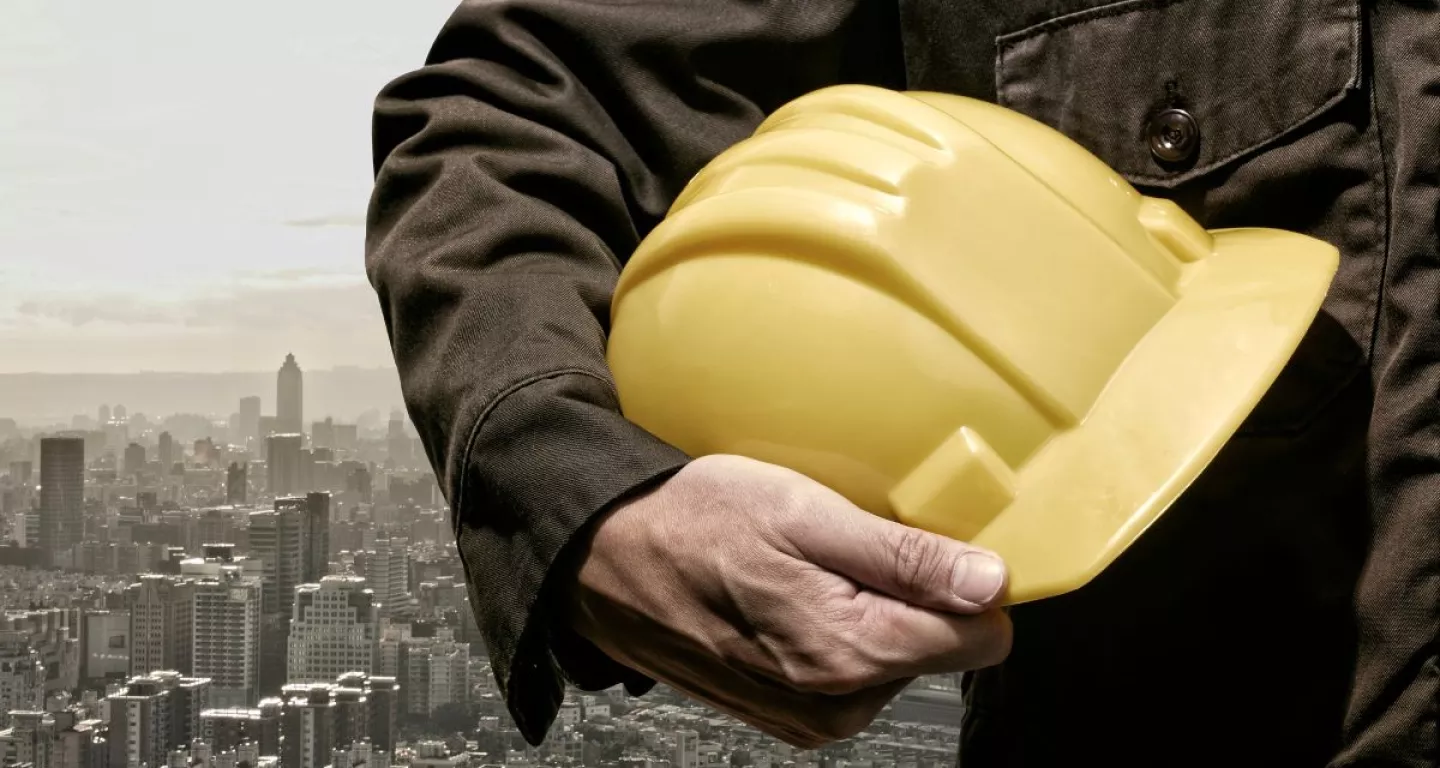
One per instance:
(1090, 493)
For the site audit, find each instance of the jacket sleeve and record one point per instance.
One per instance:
(515, 172)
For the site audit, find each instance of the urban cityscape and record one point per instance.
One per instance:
(255, 589)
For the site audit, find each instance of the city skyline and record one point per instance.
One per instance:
(343, 393)
(198, 200)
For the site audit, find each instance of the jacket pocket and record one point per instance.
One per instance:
(1247, 113)
(1246, 72)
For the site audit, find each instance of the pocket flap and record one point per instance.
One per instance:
(1244, 73)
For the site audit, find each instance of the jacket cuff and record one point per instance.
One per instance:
(544, 460)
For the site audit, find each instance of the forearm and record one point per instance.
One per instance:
(516, 172)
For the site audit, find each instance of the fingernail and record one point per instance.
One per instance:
(979, 576)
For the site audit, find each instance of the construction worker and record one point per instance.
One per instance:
(1284, 612)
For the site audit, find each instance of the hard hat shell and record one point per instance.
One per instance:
(957, 318)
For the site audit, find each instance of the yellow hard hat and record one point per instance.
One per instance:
(959, 319)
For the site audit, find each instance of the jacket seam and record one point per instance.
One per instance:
(1383, 199)
(484, 415)
(1080, 17)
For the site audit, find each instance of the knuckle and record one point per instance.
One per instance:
(917, 559)
(831, 672)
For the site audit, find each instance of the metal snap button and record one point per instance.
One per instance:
(1174, 136)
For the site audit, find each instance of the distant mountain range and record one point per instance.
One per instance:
(347, 394)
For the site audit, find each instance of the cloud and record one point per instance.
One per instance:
(264, 303)
(123, 310)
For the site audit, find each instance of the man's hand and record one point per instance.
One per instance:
(771, 597)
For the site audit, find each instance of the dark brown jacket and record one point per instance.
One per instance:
(1285, 613)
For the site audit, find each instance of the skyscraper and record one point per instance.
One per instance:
(134, 461)
(162, 623)
(104, 415)
(332, 630)
(166, 452)
(311, 514)
(228, 595)
(322, 433)
(386, 568)
(62, 494)
(250, 418)
(279, 540)
(397, 441)
(282, 463)
(289, 394)
(437, 670)
(142, 713)
(152, 714)
(310, 714)
(317, 525)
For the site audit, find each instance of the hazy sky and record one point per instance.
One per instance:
(183, 184)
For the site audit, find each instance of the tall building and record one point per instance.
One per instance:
(166, 453)
(192, 697)
(282, 464)
(116, 434)
(322, 433)
(435, 671)
(57, 738)
(226, 729)
(161, 623)
(332, 631)
(22, 674)
(370, 706)
(134, 462)
(317, 525)
(250, 418)
(310, 716)
(104, 414)
(289, 397)
(357, 483)
(386, 569)
(236, 483)
(140, 724)
(278, 539)
(398, 443)
(120, 414)
(313, 513)
(62, 494)
(154, 714)
(55, 634)
(227, 624)
(105, 638)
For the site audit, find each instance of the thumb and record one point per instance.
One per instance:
(906, 563)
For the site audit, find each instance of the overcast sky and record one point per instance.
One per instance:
(183, 184)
